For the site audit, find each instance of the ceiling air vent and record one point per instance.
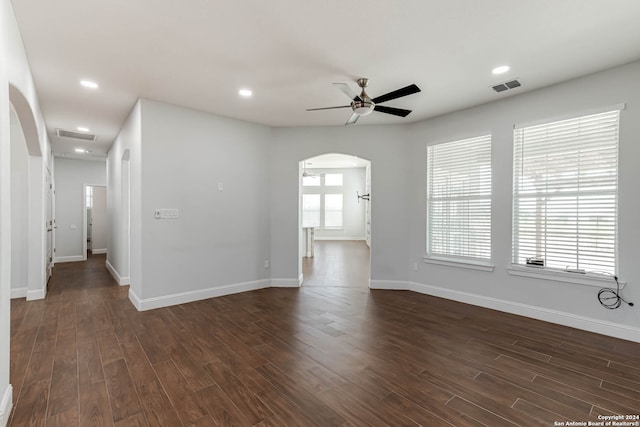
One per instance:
(75, 135)
(506, 86)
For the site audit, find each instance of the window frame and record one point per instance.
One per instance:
(573, 275)
(322, 190)
(480, 142)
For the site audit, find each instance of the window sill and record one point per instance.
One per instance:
(460, 263)
(587, 279)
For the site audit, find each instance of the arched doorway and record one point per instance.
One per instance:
(335, 221)
(38, 238)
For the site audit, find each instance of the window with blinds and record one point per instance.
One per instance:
(565, 182)
(311, 210)
(459, 198)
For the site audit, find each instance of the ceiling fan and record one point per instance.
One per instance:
(309, 174)
(363, 105)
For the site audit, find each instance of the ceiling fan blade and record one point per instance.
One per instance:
(390, 110)
(328, 108)
(399, 93)
(347, 91)
(352, 120)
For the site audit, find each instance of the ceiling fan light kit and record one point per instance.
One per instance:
(363, 105)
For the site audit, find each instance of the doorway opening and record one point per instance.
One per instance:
(30, 249)
(94, 220)
(335, 218)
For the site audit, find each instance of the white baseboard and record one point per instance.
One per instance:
(395, 285)
(553, 316)
(603, 327)
(5, 405)
(99, 251)
(121, 280)
(34, 294)
(200, 294)
(135, 300)
(73, 258)
(287, 283)
(316, 237)
(20, 292)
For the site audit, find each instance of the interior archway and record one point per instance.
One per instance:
(37, 221)
(335, 221)
(19, 173)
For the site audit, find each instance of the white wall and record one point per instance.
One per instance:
(16, 86)
(566, 303)
(70, 177)
(353, 179)
(19, 209)
(385, 147)
(124, 247)
(221, 239)
(5, 238)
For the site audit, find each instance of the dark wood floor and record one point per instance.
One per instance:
(343, 263)
(303, 357)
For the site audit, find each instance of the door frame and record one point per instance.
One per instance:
(84, 217)
(49, 224)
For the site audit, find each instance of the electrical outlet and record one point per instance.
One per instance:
(415, 266)
(266, 263)
(220, 186)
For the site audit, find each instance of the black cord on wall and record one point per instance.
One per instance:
(611, 298)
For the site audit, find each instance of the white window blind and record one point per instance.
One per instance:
(459, 198)
(311, 210)
(333, 210)
(565, 182)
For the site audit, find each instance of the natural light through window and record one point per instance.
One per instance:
(459, 198)
(311, 210)
(333, 179)
(565, 185)
(311, 181)
(333, 210)
(322, 199)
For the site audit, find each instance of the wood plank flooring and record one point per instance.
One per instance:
(315, 356)
(343, 263)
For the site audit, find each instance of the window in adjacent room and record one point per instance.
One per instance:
(322, 207)
(333, 211)
(459, 198)
(333, 179)
(565, 183)
(311, 210)
(311, 181)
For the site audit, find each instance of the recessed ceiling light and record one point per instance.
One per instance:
(245, 92)
(501, 69)
(89, 84)
(81, 150)
(82, 129)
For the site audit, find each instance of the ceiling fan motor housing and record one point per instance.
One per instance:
(364, 107)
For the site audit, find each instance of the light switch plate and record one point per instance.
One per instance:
(165, 213)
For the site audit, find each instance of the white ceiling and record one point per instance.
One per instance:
(198, 53)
